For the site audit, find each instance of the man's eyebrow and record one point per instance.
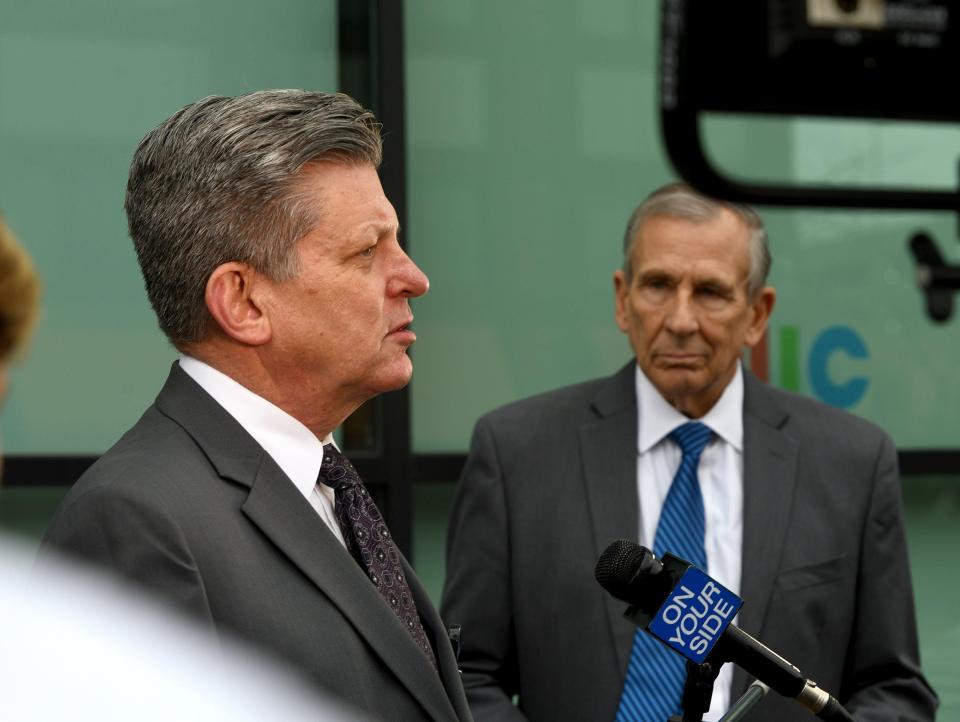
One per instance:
(653, 273)
(382, 227)
(714, 281)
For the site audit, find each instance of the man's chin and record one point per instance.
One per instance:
(394, 377)
(676, 382)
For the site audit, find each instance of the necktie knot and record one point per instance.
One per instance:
(336, 470)
(692, 437)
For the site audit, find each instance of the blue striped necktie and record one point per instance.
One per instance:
(656, 674)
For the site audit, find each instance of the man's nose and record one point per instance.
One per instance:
(682, 317)
(408, 280)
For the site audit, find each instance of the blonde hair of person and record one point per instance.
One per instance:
(19, 296)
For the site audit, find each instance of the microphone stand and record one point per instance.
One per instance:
(748, 700)
(697, 691)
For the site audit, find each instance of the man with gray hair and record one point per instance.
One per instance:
(791, 504)
(270, 256)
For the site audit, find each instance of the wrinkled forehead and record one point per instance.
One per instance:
(715, 246)
(346, 192)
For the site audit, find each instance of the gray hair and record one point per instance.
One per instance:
(679, 200)
(218, 182)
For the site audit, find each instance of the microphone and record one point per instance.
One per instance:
(633, 574)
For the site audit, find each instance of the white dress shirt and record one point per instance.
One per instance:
(295, 449)
(721, 481)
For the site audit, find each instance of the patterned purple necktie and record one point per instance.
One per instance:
(368, 541)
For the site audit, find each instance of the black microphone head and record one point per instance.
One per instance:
(621, 563)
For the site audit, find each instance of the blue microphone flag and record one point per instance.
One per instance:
(696, 612)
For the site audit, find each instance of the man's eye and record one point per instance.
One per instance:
(713, 297)
(714, 291)
(655, 290)
(367, 252)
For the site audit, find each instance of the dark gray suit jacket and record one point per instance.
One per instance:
(189, 505)
(551, 481)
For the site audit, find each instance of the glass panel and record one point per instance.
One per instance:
(832, 151)
(80, 84)
(431, 503)
(530, 144)
(25, 512)
(932, 505)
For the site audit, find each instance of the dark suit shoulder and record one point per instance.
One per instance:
(155, 468)
(569, 406)
(811, 413)
(834, 437)
(549, 403)
(144, 511)
(155, 453)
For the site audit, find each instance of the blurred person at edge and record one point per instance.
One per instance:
(85, 646)
(19, 305)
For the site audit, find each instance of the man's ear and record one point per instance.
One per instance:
(232, 304)
(621, 290)
(760, 309)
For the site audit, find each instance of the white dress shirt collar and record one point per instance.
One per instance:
(657, 418)
(297, 451)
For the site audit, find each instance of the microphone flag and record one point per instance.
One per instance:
(694, 615)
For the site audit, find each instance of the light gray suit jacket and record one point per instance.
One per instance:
(190, 506)
(551, 481)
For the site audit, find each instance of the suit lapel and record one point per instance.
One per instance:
(278, 510)
(769, 481)
(608, 446)
(437, 633)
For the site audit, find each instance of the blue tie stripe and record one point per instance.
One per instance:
(655, 674)
(639, 703)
